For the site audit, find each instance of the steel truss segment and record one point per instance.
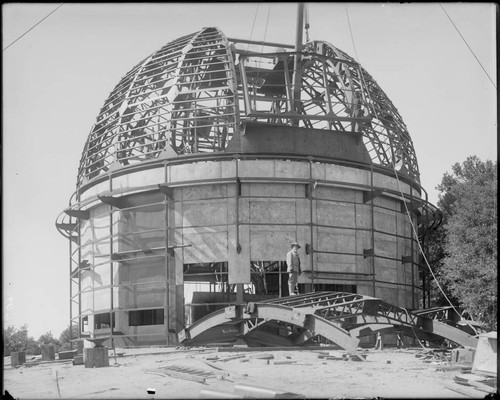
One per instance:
(339, 317)
(312, 324)
(331, 331)
(316, 299)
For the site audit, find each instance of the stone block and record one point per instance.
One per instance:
(17, 358)
(463, 356)
(96, 357)
(67, 355)
(485, 359)
(78, 360)
(48, 353)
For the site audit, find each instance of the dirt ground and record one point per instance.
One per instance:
(270, 373)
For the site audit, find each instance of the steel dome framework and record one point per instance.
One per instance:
(206, 123)
(192, 95)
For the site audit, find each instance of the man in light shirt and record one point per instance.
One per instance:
(293, 268)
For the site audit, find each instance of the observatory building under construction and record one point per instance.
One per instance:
(208, 159)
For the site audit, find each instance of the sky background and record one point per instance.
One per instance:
(57, 77)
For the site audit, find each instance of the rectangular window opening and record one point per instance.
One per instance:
(103, 321)
(331, 287)
(85, 324)
(146, 317)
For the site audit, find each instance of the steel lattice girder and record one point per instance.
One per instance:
(339, 317)
(187, 97)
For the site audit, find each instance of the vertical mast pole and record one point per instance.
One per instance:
(297, 73)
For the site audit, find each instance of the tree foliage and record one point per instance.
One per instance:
(17, 339)
(469, 237)
(71, 332)
(47, 339)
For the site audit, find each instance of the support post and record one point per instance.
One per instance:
(297, 73)
(372, 208)
(311, 225)
(170, 280)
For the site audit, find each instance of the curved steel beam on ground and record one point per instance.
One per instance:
(425, 327)
(303, 314)
(209, 321)
(315, 324)
(331, 331)
(449, 332)
(265, 338)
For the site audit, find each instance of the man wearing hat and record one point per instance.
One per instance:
(293, 268)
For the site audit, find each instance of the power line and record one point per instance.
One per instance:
(352, 36)
(265, 31)
(267, 22)
(467, 44)
(253, 24)
(393, 164)
(44, 18)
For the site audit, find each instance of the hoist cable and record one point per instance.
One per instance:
(267, 24)
(467, 44)
(306, 20)
(399, 183)
(352, 36)
(253, 24)
(39, 22)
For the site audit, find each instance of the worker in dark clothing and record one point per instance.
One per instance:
(293, 268)
(357, 111)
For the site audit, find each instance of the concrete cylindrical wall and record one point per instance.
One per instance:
(137, 242)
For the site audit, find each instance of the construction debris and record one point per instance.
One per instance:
(285, 369)
(261, 356)
(181, 372)
(217, 394)
(258, 392)
(440, 355)
(356, 357)
(463, 356)
(229, 358)
(281, 362)
(329, 357)
(479, 382)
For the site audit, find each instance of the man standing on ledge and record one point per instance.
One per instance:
(293, 268)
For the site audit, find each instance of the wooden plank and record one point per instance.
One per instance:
(466, 391)
(176, 374)
(483, 387)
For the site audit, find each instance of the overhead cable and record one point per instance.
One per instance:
(267, 23)
(467, 44)
(253, 24)
(399, 184)
(352, 36)
(43, 19)
(306, 20)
